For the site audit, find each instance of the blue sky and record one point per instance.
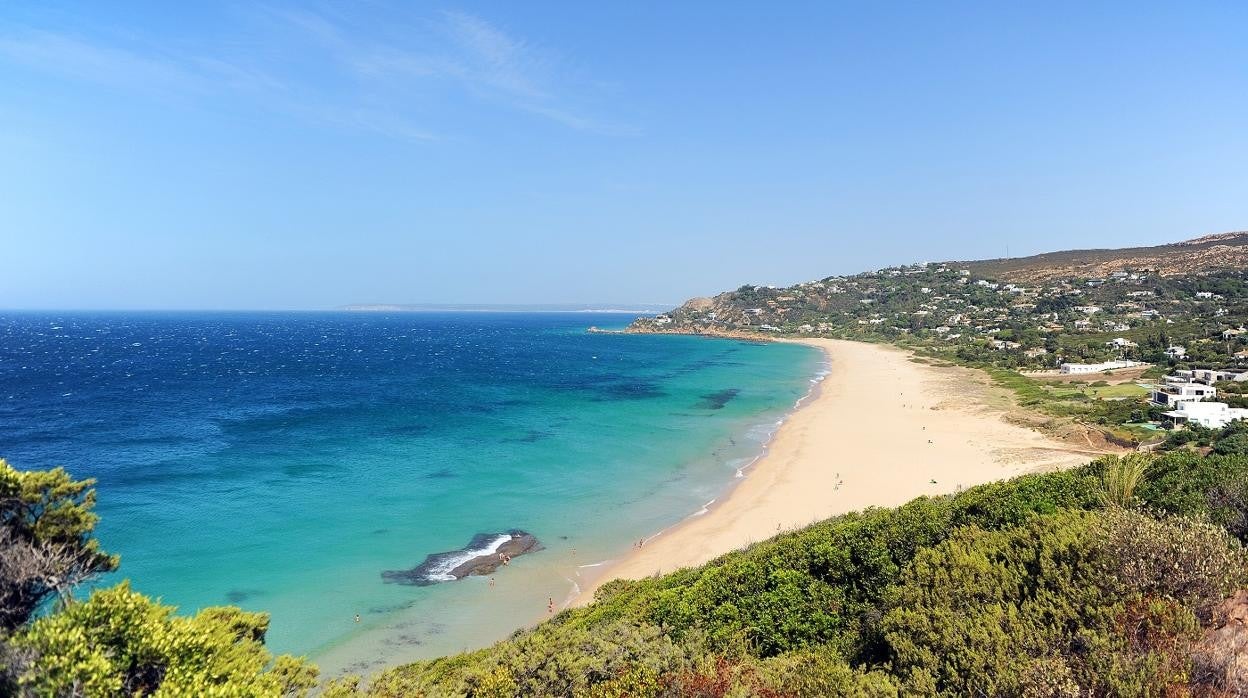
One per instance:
(205, 155)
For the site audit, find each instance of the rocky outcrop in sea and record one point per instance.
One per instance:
(484, 554)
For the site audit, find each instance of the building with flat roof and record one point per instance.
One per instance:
(1097, 368)
(1173, 393)
(1211, 415)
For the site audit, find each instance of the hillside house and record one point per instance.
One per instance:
(1172, 394)
(1211, 415)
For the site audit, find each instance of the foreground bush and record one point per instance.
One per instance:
(118, 642)
(46, 548)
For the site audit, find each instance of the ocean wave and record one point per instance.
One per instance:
(705, 508)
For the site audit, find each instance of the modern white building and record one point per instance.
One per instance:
(1208, 376)
(1173, 393)
(1176, 352)
(1097, 368)
(1213, 415)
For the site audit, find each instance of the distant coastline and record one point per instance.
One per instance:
(629, 309)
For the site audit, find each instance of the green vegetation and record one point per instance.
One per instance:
(1120, 477)
(1109, 407)
(117, 642)
(45, 541)
(1229, 440)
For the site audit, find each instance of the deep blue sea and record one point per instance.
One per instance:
(282, 461)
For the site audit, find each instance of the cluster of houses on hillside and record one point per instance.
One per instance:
(948, 305)
(1082, 325)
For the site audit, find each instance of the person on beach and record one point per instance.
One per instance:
(550, 605)
(491, 582)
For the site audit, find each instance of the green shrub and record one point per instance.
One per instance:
(971, 614)
(1103, 603)
(120, 642)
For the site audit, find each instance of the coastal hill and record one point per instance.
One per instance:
(1139, 281)
(1167, 308)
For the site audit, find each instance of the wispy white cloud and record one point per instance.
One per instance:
(497, 60)
(76, 58)
(484, 60)
(332, 70)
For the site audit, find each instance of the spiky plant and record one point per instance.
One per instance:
(1121, 476)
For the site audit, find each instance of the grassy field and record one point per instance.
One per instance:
(1066, 391)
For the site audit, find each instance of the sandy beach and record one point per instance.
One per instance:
(880, 430)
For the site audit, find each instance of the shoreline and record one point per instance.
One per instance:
(945, 435)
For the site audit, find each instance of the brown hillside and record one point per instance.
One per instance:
(1199, 256)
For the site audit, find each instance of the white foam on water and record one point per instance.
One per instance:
(705, 508)
(441, 571)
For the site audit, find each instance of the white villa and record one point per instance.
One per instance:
(1208, 376)
(1097, 368)
(1213, 415)
(1176, 391)
(1176, 352)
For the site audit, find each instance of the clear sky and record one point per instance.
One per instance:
(283, 155)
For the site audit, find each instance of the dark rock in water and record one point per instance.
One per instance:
(483, 554)
(717, 400)
(532, 436)
(237, 596)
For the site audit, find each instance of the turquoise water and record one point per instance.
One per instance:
(281, 462)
